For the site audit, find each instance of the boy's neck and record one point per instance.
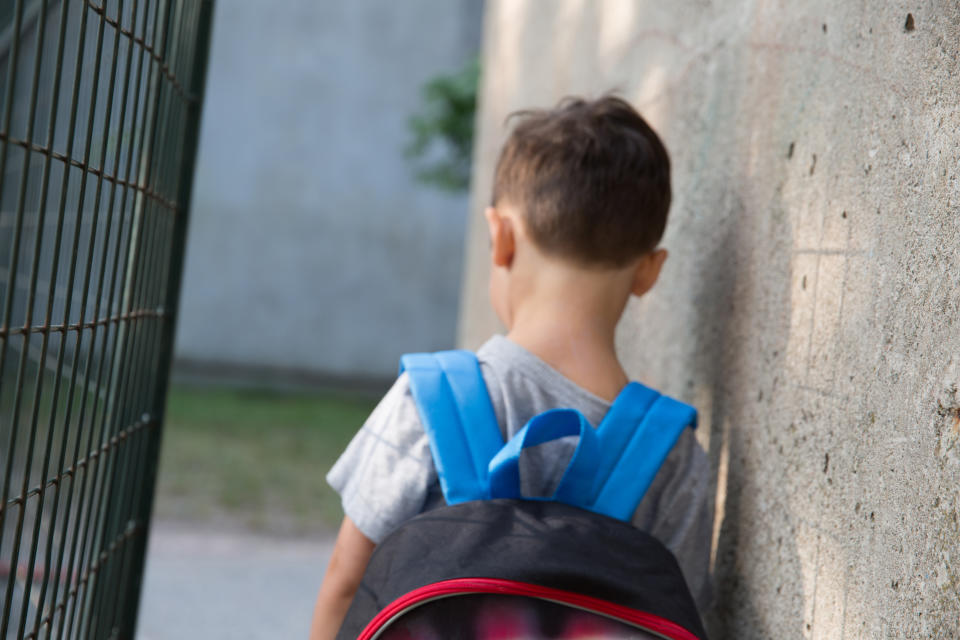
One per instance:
(571, 327)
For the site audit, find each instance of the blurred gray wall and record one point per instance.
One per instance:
(810, 304)
(312, 251)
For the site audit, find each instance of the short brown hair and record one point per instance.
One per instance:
(591, 177)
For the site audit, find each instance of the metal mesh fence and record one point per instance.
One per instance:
(98, 125)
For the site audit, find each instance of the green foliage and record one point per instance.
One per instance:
(254, 459)
(442, 144)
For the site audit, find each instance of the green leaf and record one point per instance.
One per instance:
(441, 143)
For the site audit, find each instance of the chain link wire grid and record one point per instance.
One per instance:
(99, 115)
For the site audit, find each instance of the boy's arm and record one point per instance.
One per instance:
(349, 559)
(384, 478)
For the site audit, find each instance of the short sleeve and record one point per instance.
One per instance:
(678, 511)
(385, 474)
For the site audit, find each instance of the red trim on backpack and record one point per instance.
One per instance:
(467, 586)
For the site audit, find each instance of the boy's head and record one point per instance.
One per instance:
(590, 178)
(588, 185)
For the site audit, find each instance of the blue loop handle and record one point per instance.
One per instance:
(576, 485)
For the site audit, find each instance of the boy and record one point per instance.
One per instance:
(580, 201)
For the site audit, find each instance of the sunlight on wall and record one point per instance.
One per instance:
(826, 247)
(501, 73)
(617, 29)
(652, 86)
(720, 500)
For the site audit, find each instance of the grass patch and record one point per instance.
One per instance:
(257, 459)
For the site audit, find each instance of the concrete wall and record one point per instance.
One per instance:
(311, 247)
(811, 303)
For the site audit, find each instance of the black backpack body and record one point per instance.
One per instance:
(532, 550)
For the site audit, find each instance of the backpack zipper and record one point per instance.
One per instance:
(468, 586)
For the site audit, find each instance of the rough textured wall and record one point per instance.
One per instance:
(311, 246)
(811, 303)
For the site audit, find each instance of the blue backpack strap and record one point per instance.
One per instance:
(635, 436)
(459, 420)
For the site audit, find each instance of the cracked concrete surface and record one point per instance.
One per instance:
(811, 304)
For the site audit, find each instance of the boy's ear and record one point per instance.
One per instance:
(502, 237)
(647, 271)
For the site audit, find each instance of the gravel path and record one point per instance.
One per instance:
(213, 585)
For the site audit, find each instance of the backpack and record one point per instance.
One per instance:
(495, 564)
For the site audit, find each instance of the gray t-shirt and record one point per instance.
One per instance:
(386, 475)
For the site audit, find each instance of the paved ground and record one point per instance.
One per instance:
(216, 585)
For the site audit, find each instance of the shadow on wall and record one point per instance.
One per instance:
(719, 349)
(733, 338)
